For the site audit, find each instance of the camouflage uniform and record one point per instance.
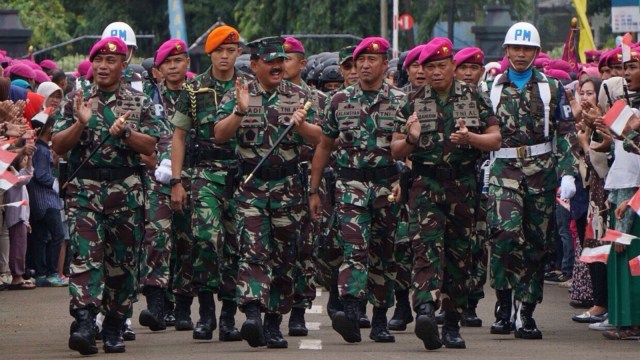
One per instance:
(522, 190)
(105, 202)
(366, 175)
(443, 196)
(214, 251)
(272, 205)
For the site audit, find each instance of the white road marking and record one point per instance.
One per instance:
(310, 344)
(315, 309)
(313, 325)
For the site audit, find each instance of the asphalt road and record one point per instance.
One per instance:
(35, 325)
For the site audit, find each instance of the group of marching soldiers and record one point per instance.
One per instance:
(255, 186)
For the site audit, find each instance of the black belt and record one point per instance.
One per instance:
(268, 173)
(106, 173)
(215, 154)
(368, 174)
(438, 172)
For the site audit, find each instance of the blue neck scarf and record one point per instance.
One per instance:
(520, 78)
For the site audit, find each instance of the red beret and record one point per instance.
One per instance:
(168, 48)
(371, 45)
(48, 64)
(437, 49)
(108, 45)
(23, 70)
(32, 65)
(543, 55)
(413, 55)
(41, 76)
(83, 67)
(615, 56)
(471, 55)
(558, 74)
(292, 45)
(221, 35)
(592, 56)
(541, 62)
(560, 65)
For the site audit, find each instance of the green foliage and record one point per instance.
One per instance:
(47, 19)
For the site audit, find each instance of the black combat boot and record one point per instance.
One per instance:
(525, 324)
(335, 303)
(469, 317)
(251, 330)
(440, 317)
(228, 331)
(127, 331)
(82, 338)
(297, 325)
(347, 322)
(364, 319)
(379, 329)
(503, 325)
(451, 331)
(272, 333)
(183, 312)
(169, 316)
(207, 323)
(153, 316)
(427, 327)
(402, 313)
(112, 339)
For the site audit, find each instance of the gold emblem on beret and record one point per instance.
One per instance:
(375, 46)
(231, 37)
(178, 47)
(111, 46)
(478, 56)
(445, 49)
(286, 46)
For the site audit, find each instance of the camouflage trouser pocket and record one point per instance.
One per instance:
(492, 219)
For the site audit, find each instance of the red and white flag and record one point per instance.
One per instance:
(597, 254)
(618, 237)
(634, 266)
(634, 203)
(618, 116)
(626, 47)
(6, 157)
(8, 179)
(4, 145)
(17, 203)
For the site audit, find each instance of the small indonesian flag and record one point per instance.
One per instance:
(17, 203)
(618, 237)
(6, 157)
(4, 145)
(618, 116)
(8, 179)
(634, 203)
(598, 254)
(626, 47)
(634, 266)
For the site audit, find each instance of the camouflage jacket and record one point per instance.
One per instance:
(438, 121)
(268, 115)
(319, 101)
(521, 115)
(363, 125)
(632, 142)
(115, 153)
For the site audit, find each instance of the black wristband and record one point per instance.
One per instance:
(175, 181)
(406, 139)
(237, 112)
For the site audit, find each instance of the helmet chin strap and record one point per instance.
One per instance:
(129, 55)
(528, 66)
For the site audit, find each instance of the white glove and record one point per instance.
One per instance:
(163, 172)
(567, 187)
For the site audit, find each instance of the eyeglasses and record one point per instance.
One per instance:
(347, 66)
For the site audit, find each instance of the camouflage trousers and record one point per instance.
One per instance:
(328, 249)
(442, 244)
(479, 254)
(268, 239)
(403, 253)
(106, 250)
(519, 227)
(183, 266)
(368, 269)
(304, 270)
(158, 238)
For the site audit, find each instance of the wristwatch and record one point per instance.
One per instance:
(126, 133)
(174, 181)
(313, 191)
(237, 111)
(406, 139)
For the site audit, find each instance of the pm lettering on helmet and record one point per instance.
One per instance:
(122, 34)
(524, 35)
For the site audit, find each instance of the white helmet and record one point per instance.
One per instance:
(522, 33)
(121, 30)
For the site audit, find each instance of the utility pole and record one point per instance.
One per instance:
(383, 18)
(452, 7)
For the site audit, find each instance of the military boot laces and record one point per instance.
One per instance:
(526, 327)
(272, 333)
(502, 325)
(112, 329)
(251, 330)
(207, 323)
(183, 313)
(469, 317)
(364, 319)
(153, 316)
(228, 330)
(427, 327)
(379, 329)
(82, 338)
(347, 322)
(451, 331)
(297, 324)
(335, 303)
(402, 314)
(169, 316)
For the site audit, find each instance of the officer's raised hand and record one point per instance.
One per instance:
(461, 136)
(413, 128)
(242, 95)
(300, 116)
(82, 109)
(119, 125)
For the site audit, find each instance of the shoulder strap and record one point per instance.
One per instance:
(496, 93)
(545, 95)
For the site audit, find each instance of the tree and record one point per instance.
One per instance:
(47, 19)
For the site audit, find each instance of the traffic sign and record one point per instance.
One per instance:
(405, 22)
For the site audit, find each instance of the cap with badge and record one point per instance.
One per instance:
(293, 45)
(346, 53)
(111, 45)
(438, 48)
(221, 35)
(268, 49)
(169, 48)
(413, 55)
(371, 45)
(469, 55)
